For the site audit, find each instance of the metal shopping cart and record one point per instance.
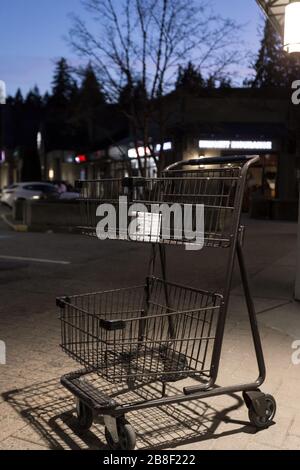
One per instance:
(159, 332)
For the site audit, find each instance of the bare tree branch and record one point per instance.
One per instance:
(143, 42)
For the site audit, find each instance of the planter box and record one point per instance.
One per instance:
(62, 216)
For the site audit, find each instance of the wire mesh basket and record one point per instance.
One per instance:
(158, 331)
(164, 205)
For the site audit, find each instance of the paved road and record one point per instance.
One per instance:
(93, 264)
(35, 268)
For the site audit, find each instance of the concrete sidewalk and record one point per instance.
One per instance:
(37, 413)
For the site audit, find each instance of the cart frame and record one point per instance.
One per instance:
(261, 407)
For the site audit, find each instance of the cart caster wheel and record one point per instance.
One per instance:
(127, 436)
(85, 415)
(262, 422)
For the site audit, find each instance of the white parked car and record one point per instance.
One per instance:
(65, 190)
(28, 191)
(69, 195)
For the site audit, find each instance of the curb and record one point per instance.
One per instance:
(15, 227)
(39, 228)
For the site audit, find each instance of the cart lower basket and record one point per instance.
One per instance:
(155, 332)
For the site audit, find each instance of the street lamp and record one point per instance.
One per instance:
(2, 125)
(292, 28)
(285, 17)
(2, 92)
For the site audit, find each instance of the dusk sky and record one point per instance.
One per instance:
(32, 36)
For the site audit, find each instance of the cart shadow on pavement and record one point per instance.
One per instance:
(49, 411)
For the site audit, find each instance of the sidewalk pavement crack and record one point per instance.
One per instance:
(29, 441)
(275, 307)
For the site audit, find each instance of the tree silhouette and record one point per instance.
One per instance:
(140, 44)
(64, 86)
(225, 83)
(16, 129)
(91, 89)
(34, 98)
(211, 82)
(23, 120)
(18, 99)
(59, 130)
(32, 117)
(89, 107)
(189, 79)
(46, 98)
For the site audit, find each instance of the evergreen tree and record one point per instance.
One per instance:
(60, 108)
(126, 95)
(34, 98)
(91, 91)
(225, 83)
(132, 93)
(64, 87)
(17, 119)
(90, 101)
(32, 117)
(46, 98)
(211, 82)
(18, 99)
(24, 117)
(274, 68)
(189, 79)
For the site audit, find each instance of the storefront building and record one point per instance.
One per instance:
(215, 123)
(251, 122)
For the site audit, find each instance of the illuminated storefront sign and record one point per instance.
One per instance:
(81, 159)
(140, 152)
(236, 144)
(167, 146)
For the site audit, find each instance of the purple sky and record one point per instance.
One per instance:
(32, 36)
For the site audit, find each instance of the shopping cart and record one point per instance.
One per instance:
(160, 332)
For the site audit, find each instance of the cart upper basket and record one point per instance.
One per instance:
(216, 190)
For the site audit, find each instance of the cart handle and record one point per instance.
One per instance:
(214, 161)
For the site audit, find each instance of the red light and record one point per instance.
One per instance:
(81, 159)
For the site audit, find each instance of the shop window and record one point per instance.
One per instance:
(148, 163)
(262, 180)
